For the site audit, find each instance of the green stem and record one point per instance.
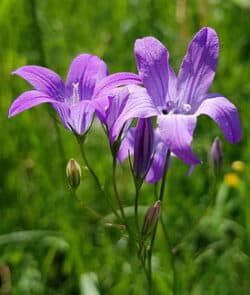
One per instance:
(174, 286)
(137, 192)
(118, 200)
(162, 189)
(95, 177)
(96, 214)
(83, 205)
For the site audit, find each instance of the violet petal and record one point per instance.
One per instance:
(153, 67)
(155, 172)
(127, 146)
(28, 100)
(81, 116)
(198, 67)
(224, 113)
(114, 80)
(139, 105)
(86, 71)
(43, 80)
(176, 131)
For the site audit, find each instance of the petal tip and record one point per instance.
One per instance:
(10, 114)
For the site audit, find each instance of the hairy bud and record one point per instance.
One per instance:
(151, 218)
(73, 172)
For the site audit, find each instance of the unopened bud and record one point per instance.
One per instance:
(151, 218)
(143, 147)
(216, 155)
(73, 172)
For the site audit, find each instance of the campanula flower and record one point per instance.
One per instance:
(177, 101)
(87, 80)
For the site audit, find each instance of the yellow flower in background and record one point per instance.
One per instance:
(232, 179)
(238, 166)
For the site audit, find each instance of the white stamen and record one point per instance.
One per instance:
(185, 107)
(75, 96)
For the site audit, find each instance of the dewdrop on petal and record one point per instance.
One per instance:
(151, 218)
(73, 172)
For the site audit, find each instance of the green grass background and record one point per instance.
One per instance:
(49, 243)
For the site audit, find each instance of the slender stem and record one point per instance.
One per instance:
(146, 273)
(92, 172)
(96, 214)
(83, 205)
(118, 200)
(95, 177)
(174, 288)
(164, 176)
(119, 203)
(155, 229)
(137, 192)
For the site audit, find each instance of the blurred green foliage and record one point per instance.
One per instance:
(48, 243)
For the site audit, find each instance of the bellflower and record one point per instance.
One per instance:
(177, 101)
(87, 80)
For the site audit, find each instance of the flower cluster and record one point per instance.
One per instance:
(156, 91)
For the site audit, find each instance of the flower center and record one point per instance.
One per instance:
(174, 108)
(75, 95)
(186, 108)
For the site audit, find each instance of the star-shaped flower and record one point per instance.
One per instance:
(87, 80)
(178, 101)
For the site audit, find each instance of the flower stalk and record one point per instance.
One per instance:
(80, 140)
(161, 195)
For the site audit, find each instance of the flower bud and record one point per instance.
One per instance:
(151, 218)
(73, 172)
(143, 147)
(216, 155)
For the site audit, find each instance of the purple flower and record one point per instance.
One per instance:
(178, 101)
(109, 107)
(86, 80)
